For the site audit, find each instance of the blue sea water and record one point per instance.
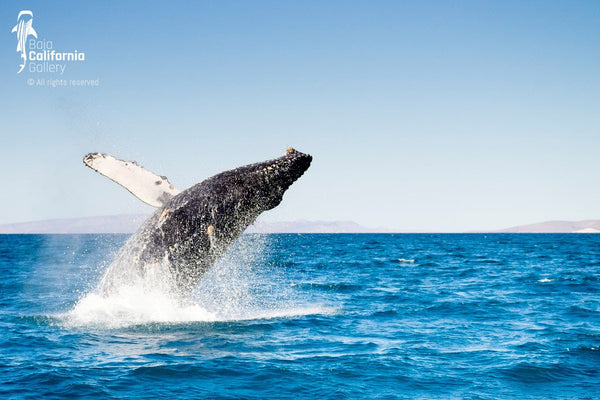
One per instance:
(477, 316)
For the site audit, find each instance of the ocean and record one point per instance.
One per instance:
(311, 316)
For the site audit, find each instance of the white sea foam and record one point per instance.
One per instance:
(134, 306)
(234, 289)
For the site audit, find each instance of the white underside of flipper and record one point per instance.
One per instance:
(145, 185)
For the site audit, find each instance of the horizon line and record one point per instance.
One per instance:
(128, 223)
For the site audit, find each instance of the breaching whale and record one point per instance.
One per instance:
(191, 229)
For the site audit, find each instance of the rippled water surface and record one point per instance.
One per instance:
(309, 316)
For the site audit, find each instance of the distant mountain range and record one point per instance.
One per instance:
(106, 224)
(587, 226)
(130, 223)
(313, 227)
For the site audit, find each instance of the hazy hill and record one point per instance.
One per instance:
(130, 223)
(312, 227)
(587, 226)
(106, 224)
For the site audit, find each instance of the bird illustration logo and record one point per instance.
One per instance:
(23, 29)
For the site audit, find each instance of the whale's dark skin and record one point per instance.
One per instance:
(194, 228)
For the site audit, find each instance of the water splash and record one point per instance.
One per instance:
(240, 286)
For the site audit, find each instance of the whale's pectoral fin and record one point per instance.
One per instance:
(145, 185)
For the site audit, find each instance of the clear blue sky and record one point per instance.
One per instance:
(440, 115)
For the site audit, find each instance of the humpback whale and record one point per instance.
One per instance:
(191, 229)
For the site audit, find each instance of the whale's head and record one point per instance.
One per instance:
(260, 187)
(235, 198)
